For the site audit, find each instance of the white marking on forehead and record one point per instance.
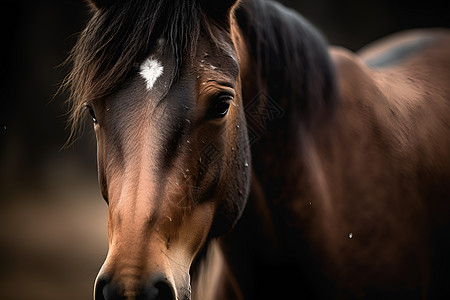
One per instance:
(150, 70)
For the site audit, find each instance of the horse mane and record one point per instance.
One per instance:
(118, 38)
(291, 57)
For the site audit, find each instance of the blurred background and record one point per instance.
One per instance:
(52, 216)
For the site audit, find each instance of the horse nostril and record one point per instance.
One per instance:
(105, 290)
(161, 289)
(99, 287)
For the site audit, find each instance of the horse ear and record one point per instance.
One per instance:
(219, 9)
(101, 4)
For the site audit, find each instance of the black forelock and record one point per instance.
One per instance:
(120, 37)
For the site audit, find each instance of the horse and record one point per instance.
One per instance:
(242, 157)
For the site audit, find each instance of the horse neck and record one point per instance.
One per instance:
(291, 94)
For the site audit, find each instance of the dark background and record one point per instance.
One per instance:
(52, 217)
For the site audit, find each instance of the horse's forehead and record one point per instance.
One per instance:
(157, 70)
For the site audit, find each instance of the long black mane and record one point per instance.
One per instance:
(291, 58)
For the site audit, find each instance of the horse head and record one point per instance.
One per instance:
(172, 144)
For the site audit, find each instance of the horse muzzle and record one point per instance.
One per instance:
(160, 278)
(158, 287)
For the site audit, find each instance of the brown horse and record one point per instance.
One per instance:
(308, 172)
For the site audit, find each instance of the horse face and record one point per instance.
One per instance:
(173, 163)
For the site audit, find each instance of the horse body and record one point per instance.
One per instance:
(348, 155)
(375, 182)
(362, 193)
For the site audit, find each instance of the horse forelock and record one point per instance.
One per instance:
(118, 39)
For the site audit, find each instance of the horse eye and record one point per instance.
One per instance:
(221, 106)
(92, 113)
